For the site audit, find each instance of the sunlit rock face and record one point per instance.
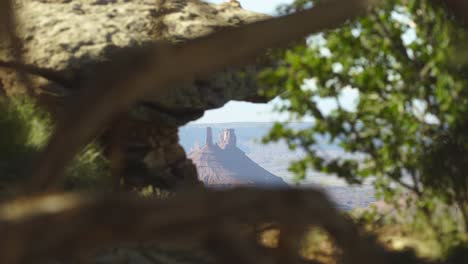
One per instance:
(224, 165)
(71, 38)
(68, 40)
(227, 139)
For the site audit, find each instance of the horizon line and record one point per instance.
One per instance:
(245, 122)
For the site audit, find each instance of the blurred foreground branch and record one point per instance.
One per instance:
(122, 82)
(71, 224)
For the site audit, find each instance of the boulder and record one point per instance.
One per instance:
(65, 39)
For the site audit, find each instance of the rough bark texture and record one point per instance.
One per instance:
(63, 41)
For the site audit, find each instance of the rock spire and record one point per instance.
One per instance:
(224, 164)
(209, 137)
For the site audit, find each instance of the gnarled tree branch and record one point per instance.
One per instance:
(71, 223)
(165, 66)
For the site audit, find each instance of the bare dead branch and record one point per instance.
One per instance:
(118, 86)
(70, 223)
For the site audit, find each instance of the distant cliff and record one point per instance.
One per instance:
(224, 164)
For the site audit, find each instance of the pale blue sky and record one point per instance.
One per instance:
(262, 6)
(248, 112)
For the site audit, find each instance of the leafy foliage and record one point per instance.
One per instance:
(427, 224)
(24, 129)
(89, 170)
(396, 83)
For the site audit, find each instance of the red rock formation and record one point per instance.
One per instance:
(224, 164)
(227, 139)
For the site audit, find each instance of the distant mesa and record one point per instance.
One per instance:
(223, 164)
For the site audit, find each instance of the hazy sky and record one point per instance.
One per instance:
(249, 112)
(262, 6)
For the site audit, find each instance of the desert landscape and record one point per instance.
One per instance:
(275, 159)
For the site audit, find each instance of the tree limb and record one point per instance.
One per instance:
(70, 223)
(117, 86)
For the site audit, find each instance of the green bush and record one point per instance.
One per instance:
(24, 130)
(404, 65)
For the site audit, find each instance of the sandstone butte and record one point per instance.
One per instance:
(223, 164)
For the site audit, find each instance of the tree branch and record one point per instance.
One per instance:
(48, 74)
(166, 66)
(70, 223)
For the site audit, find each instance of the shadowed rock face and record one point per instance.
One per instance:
(224, 164)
